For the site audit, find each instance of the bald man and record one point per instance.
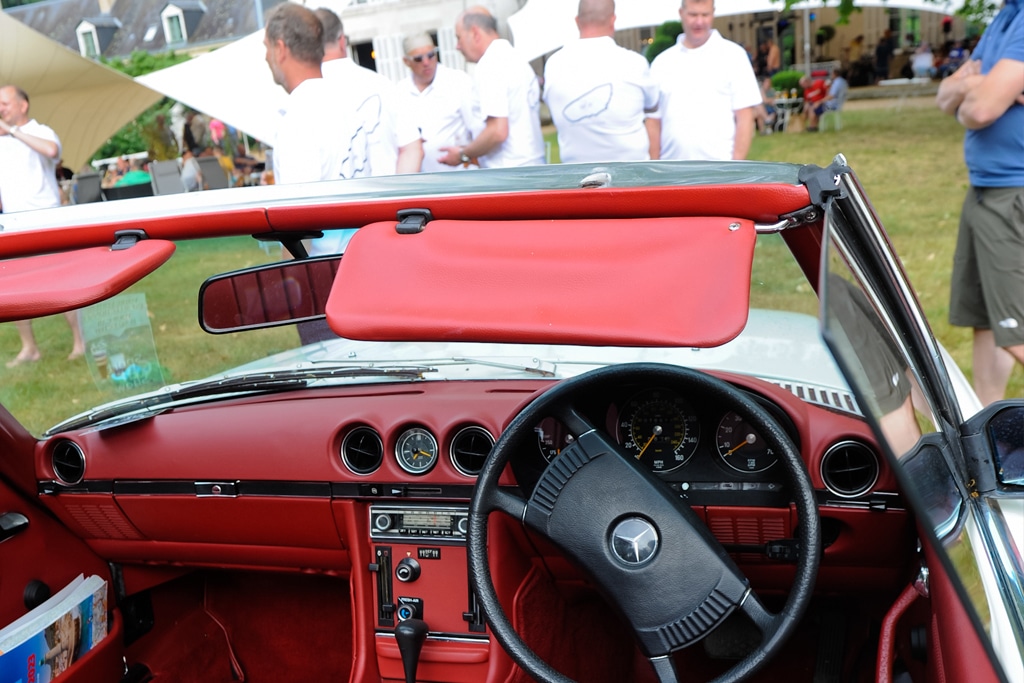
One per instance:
(599, 93)
(506, 98)
(29, 151)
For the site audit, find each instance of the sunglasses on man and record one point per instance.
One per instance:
(429, 55)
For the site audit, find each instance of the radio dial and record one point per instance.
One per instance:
(382, 522)
(463, 525)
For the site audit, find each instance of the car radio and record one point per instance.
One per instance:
(414, 523)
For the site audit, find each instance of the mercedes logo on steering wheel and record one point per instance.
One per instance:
(634, 541)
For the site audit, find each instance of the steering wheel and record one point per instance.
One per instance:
(625, 528)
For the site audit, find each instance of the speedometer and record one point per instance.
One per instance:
(658, 428)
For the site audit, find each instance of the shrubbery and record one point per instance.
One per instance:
(785, 81)
(664, 38)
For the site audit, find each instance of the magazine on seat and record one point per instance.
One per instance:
(43, 643)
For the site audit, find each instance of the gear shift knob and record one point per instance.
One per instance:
(410, 635)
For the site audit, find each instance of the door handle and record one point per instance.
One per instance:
(12, 523)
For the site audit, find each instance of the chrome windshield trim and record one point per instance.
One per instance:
(865, 215)
(1001, 600)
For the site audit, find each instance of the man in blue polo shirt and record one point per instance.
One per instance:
(986, 95)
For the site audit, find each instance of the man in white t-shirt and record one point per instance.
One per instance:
(708, 91)
(29, 154)
(506, 98)
(387, 140)
(598, 92)
(313, 139)
(392, 138)
(440, 100)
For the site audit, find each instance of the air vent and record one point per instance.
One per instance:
(68, 462)
(362, 450)
(470, 448)
(842, 401)
(849, 469)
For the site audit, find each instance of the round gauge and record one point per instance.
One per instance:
(658, 428)
(416, 450)
(741, 447)
(552, 437)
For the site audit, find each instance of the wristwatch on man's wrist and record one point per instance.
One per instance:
(464, 158)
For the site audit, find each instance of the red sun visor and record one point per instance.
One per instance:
(639, 282)
(53, 283)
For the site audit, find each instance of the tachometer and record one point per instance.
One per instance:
(658, 428)
(416, 450)
(552, 437)
(742, 447)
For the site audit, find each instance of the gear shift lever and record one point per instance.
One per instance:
(410, 635)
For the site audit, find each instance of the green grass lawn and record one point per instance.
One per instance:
(909, 161)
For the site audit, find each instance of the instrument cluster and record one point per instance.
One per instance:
(674, 436)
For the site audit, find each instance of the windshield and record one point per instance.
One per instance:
(144, 347)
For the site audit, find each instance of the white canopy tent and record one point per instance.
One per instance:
(232, 83)
(546, 25)
(82, 100)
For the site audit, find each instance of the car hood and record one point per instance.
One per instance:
(779, 346)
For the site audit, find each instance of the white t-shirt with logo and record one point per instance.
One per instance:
(443, 112)
(316, 136)
(598, 93)
(507, 87)
(28, 179)
(377, 107)
(701, 88)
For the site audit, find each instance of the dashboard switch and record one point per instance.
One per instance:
(408, 570)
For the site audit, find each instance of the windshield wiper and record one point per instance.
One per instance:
(147, 405)
(506, 366)
(466, 360)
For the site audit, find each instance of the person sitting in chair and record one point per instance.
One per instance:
(833, 100)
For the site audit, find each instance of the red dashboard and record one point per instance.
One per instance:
(372, 483)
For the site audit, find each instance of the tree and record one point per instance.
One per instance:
(978, 12)
(973, 11)
(140, 62)
(823, 36)
(664, 38)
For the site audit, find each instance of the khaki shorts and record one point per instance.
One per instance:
(987, 289)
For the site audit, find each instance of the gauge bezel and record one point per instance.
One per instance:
(404, 437)
(688, 441)
(455, 439)
(346, 442)
(723, 458)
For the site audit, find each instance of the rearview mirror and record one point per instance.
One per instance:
(267, 296)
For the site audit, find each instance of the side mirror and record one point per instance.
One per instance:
(1006, 432)
(267, 296)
